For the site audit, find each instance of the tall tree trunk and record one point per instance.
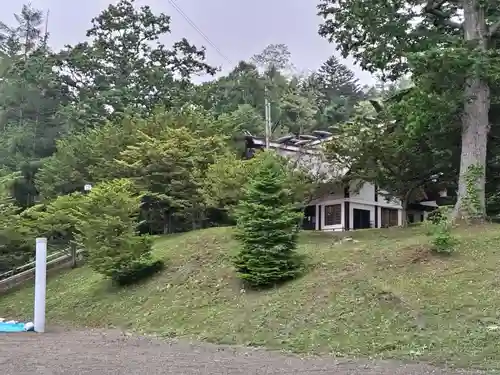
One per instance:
(475, 124)
(405, 201)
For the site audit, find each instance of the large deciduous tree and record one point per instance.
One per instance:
(125, 66)
(378, 147)
(274, 56)
(457, 41)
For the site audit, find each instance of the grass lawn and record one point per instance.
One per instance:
(381, 295)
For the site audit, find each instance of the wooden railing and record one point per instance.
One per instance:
(16, 277)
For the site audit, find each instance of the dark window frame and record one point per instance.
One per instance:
(333, 214)
(389, 217)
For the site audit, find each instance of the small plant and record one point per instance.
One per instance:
(267, 227)
(440, 226)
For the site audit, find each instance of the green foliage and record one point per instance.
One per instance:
(449, 47)
(94, 112)
(338, 92)
(107, 229)
(138, 272)
(225, 180)
(472, 198)
(170, 167)
(85, 157)
(65, 116)
(267, 223)
(299, 103)
(57, 220)
(31, 95)
(405, 28)
(119, 79)
(274, 56)
(378, 147)
(439, 230)
(15, 246)
(24, 37)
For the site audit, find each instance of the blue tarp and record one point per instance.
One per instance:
(12, 327)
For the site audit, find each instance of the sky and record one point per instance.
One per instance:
(239, 29)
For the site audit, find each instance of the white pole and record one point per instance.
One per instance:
(267, 113)
(40, 284)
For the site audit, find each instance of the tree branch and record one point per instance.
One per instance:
(434, 8)
(494, 29)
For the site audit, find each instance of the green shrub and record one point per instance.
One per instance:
(439, 229)
(15, 250)
(267, 227)
(57, 220)
(436, 216)
(16, 246)
(443, 242)
(138, 272)
(108, 229)
(224, 182)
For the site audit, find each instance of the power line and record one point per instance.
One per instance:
(194, 26)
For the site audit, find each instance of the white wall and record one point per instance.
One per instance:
(314, 160)
(362, 198)
(365, 193)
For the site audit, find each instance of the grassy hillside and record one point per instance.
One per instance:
(381, 295)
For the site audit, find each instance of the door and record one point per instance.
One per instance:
(360, 219)
(309, 221)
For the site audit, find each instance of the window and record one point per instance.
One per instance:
(333, 214)
(389, 217)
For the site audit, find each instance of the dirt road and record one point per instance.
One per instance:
(113, 353)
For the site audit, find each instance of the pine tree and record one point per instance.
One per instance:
(267, 228)
(338, 80)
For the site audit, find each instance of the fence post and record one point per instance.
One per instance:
(40, 283)
(73, 255)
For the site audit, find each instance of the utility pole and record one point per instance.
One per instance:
(267, 108)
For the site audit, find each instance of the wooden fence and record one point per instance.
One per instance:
(18, 276)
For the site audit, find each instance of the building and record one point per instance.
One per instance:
(355, 205)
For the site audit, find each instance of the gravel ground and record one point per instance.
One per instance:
(100, 352)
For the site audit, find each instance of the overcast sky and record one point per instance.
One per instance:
(237, 28)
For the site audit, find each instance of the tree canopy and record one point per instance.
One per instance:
(120, 109)
(448, 46)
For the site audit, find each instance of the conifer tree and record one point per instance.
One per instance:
(267, 227)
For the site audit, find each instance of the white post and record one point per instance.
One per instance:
(267, 108)
(40, 284)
